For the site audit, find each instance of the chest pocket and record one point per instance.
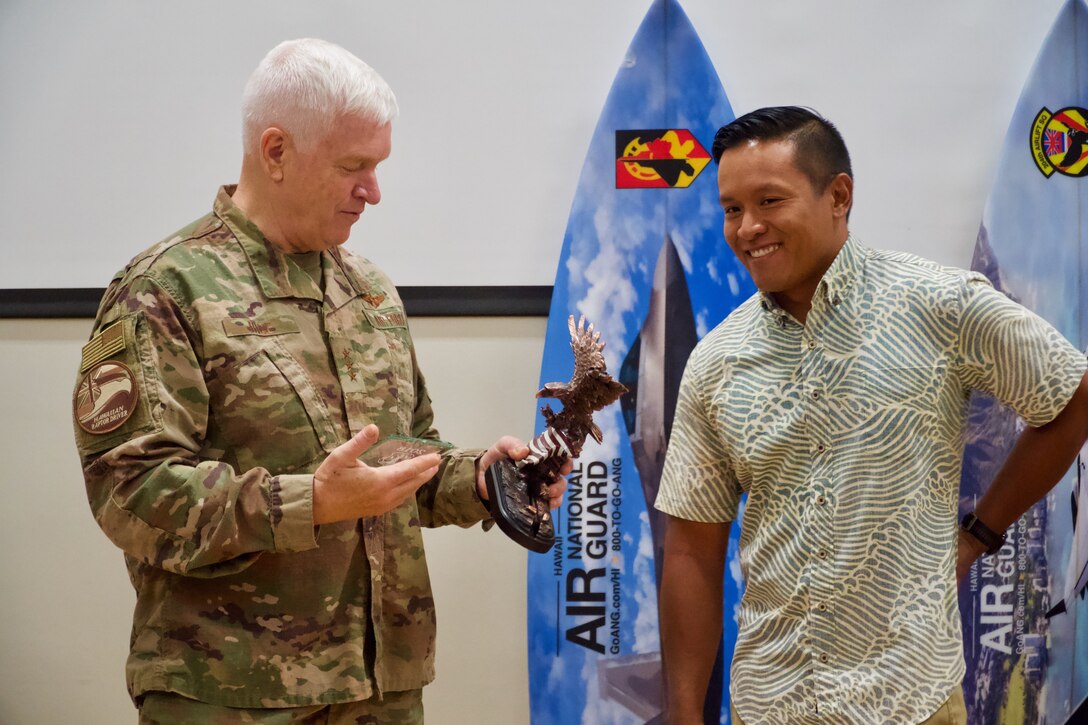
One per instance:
(268, 413)
(912, 389)
(374, 363)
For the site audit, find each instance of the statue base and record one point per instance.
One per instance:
(514, 509)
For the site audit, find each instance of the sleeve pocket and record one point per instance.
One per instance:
(114, 397)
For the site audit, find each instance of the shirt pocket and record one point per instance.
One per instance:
(377, 376)
(267, 410)
(912, 389)
(885, 400)
(115, 396)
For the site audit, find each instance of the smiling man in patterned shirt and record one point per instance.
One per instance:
(836, 398)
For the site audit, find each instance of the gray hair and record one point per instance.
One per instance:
(303, 86)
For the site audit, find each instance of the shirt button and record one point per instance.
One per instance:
(822, 606)
(820, 500)
(821, 554)
(811, 344)
(824, 658)
(820, 448)
(815, 396)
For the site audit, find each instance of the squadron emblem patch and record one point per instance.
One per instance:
(106, 398)
(1059, 141)
(658, 159)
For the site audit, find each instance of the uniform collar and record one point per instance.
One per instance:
(342, 281)
(835, 285)
(269, 264)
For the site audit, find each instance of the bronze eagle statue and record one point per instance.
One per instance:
(518, 492)
(590, 389)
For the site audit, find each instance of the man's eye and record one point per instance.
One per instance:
(731, 210)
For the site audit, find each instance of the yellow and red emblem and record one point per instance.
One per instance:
(658, 158)
(1059, 141)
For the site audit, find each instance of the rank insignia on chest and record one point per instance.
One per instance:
(349, 369)
(108, 341)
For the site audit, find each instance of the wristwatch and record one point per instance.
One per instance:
(992, 540)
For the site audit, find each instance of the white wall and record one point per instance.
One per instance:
(120, 117)
(65, 600)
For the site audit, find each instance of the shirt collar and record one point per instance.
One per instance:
(843, 272)
(342, 281)
(268, 263)
(835, 284)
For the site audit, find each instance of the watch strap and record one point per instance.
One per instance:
(989, 538)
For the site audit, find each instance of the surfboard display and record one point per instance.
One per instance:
(644, 260)
(1025, 617)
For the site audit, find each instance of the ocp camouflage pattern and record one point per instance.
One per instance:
(249, 374)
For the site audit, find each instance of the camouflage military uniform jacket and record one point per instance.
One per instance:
(230, 375)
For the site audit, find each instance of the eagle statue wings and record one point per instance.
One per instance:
(590, 389)
(518, 492)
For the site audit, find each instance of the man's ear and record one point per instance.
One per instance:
(275, 145)
(842, 195)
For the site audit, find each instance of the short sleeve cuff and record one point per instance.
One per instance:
(291, 510)
(696, 504)
(1013, 354)
(1068, 380)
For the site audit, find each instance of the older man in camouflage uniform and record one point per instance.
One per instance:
(278, 578)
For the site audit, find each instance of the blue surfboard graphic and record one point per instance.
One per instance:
(1024, 666)
(644, 260)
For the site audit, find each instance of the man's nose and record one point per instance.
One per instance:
(369, 191)
(751, 226)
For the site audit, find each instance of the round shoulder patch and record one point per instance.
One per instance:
(106, 397)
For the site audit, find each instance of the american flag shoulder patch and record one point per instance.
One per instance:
(108, 341)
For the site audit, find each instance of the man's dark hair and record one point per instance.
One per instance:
(819, 150)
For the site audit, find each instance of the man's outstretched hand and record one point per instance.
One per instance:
(346, 488)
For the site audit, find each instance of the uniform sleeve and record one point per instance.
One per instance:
(149, 488)
(698, 482)
(450, 497)
(1014, 355)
